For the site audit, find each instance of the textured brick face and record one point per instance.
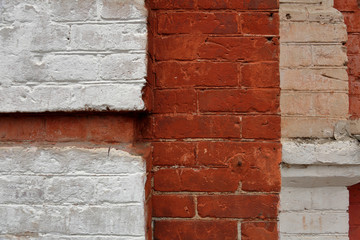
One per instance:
(351, 12)
(354, 216)
(72, 55)
(314, 89)
(215, 124)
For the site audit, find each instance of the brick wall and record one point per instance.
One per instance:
(81, 174)
(319, 156)
(351, 11)
(71, 176)
(215, 124)
(314, 83)
(354, 213)
(72, 55)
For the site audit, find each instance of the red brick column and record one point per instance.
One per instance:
(215, 126)
(351, 12)
(354, 212)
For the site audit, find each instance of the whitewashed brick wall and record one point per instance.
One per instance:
(314, 81)
(316, 169)
(65, 55)
(314, 213)
(71, 193)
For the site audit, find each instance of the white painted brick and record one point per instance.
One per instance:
(109, 37)
(73, 10)
(314, 222)
(326, 16)
(295, 55)
(289, 13)
(113, 220)
(120, 189)
(102, 97)
(71, 67)
(313, 237)
(54, 193)
(78, 190)
(123, 66)
(52, 54)
(124, 9)
(22, 11)
(22, 189)
(312, 32)
(321, 198)
(314, 104)
(36, 236)
(124, 220)
(305, 127)
(329, 55)
(48, 36)
(314, 79)
(319, 176)
(332, 152)
(68, 160)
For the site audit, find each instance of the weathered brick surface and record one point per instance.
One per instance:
(314, 95)
(351, 12)
(71, 191)
(354, 216)
(215, 123)
(72, 55)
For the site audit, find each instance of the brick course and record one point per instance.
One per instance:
(215, 123)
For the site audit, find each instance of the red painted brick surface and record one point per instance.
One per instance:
(195, 230)
(214, 122)
(354, 212)
(68, 127)
(351, 11)
(259, 231)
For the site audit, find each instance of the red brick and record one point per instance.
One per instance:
(240, 48)
(257, 163)
(148, 219)
(354, 105)
(354, 233)
(354, 85)
(196, 180)
(354, 194)
(111, 128)
(22, 128)
(260, 75)
(197, 22)
(238, 206)
(238, 100)
(178, 47)
(263, 127)
(173, 206)
(259, 231)
(352, 21)
(195, 230)
(346, 5)
(213, 4)
(193, 126)
(226, 153)
(173, 153)
(354, 215)
(175, 101)
(237, 4)
(353, 44)
(196, 74)
(255, 5)
(260, 23)
(354, 64)
(171, 4)
(66, 128)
